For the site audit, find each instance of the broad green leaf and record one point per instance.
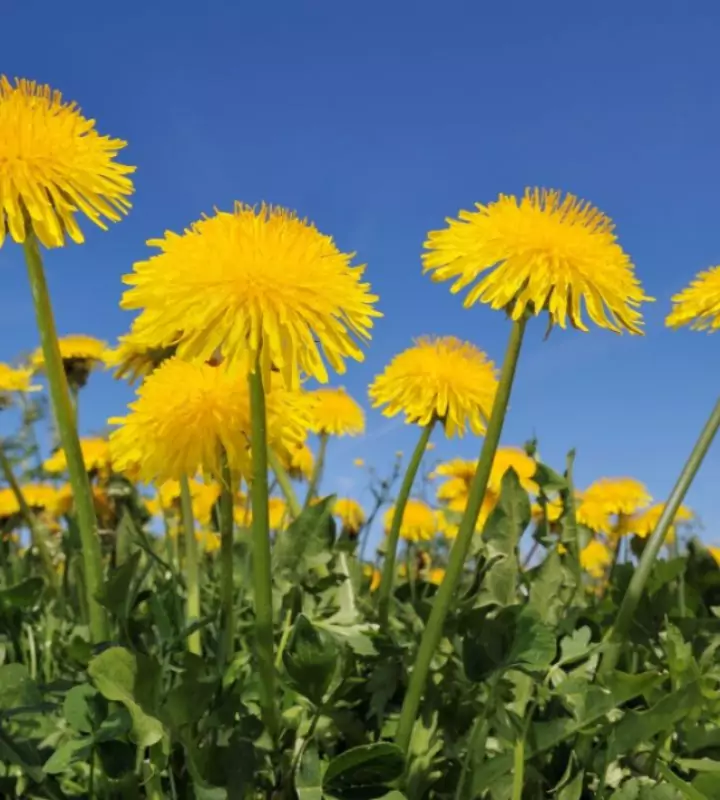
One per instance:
(115, 674)
(545, 587)
(311, 659)
(67, 754)
(21, 753)
(367, 765)
(188, 701)
(630, 790)
(487, 644)
(84, 709)
(572, 790)
(22, 595)
(357, 637)
(576, 646)
(17, 688)
(114, 593)
(308, 540)
(534, 646)
(308, 777)
(699, 764)
(549, 480)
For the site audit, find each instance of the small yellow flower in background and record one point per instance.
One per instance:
(80, 354)
(430, 446)
(53, 163)
(64, 504)
(449, 527)
(351, 514)
(95, 452)
(40, 495)
(435, 575)
(552, 512)
(714, 551)
(419, 523)
(374, 574)
(8, 504)
(595, 558)
(544, 252)
(203, 496)
(359, 462)
(18, 379)
(618, 495)
(698, 305)
(278, 512)
(183, 414)
(593, 515)
(644, 523)
(335, 413)
(443, 378)
(208, 540)
(513, 458)
(254, 283)
(298, 461)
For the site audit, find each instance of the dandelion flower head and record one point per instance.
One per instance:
(698, 305)
(277, 510)
(16, 379)
(54, 163)
(617, 495)
(350, 513)
(75, 348)
(443, 378)
(595, 558)
(541, 252)
(645, 522)
(254, 283)
(134, 358)
(95, 452)
(299, 461)
(419, 523)
(335, 413)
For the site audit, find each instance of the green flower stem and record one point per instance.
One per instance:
(630, 602)
(192, 573)
(262, 558)
(285, 484)
(66, 422)
(227, 570)
(317, 470)
(37, 535)
(458, 554)
(391, 543)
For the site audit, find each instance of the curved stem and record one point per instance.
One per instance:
(262, 559)
(630, 601)
(285, 484)
(227, 571)
(317, 470)
(391, 543)
(458, 554)
(192, 573)
(66, 422)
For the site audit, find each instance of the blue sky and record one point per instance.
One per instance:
(378, 120)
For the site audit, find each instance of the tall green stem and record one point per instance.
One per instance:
(227, 571)
(317, 469)
(192, 573)
(37, 535)
(66, 422)
(262, 557)
(391, 543)
(285, 485)
(456, 561)
(630, 601)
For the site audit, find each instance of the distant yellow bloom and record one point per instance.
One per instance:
(644, 523)
(8, 504)
(375, 576)
(418, 524)
(298, 461)
(335, 413)
(80, 355)
(359, 462)
(513, 458)
(544, 252)
(698, 305)
(16, 379)
(203, 496)
(618, 495)
(39, 495)
(185, 412)
(254, 282)
(430, 446)
(95, 452)
(552, 512)
(435, 575)
(593, 515)
(208, 540)
(595, 558)
(53, 163)
(64, 504)
(278, 513)
(715, 553)
(449, 526)
(351, 514)
(443, 378)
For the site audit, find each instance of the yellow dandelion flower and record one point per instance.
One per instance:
(715, 553)
(80, 355)
(254, 283)
(335, 413)
(203, 496)
(375, 576)
(359, 462)
(208, 540)
(435, 575)
(698, 305)
(552, 512)
(644, 523)
(544, 252)
(298, 461)
(279, 515)
(618, 495)
(595, 558)
(95, 452)
(449, 526)
(184, 413)
(351, 514)
(64, 504)
(513, 458)
(53, 163)
(40, 495)
(8, 504)
(593, 515)
(14, 379)
(419, 523)
(443, 378)
(134, 359)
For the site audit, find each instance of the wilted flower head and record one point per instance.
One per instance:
(544, 252)
(418, 524)
(53, 163)
(698, 305)
(335, 413)
(254, 283)
(443, 378)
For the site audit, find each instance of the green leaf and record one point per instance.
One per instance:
(545, 587)
(576, 646)
(630, 790)
(23, 754)
(549, 480)
(25, 594)
(116, 675)
(367, 765)
(114, 593)
(187, 702)
(67, 754)
(699, 764)
(487, 644)
(311, 659)
(84, 709)
(308, 777)
(308, 540)
(534, 646)
(17, 688)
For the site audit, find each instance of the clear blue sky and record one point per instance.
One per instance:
(377, 120)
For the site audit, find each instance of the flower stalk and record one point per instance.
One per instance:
(461, 546)
(285, 484)
(192, 572)
(227, 571)
(630, 601)
(317, 470)
(391, 543)
(262, 557)
(67, 428)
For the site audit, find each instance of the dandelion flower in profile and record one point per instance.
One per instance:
(351, 515)
(80, 356)
(593, 516)
(335, 413)
(698, 305)
(279, 515)
(134, 358)
(95, 452)
(595, 558)
(54, 163)
(254, 283)
(186, 413)
(617, 495)
(13, 380)
(645, 522)
(542, 252)
(298, 461)
(438, 378)
(419, 523)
